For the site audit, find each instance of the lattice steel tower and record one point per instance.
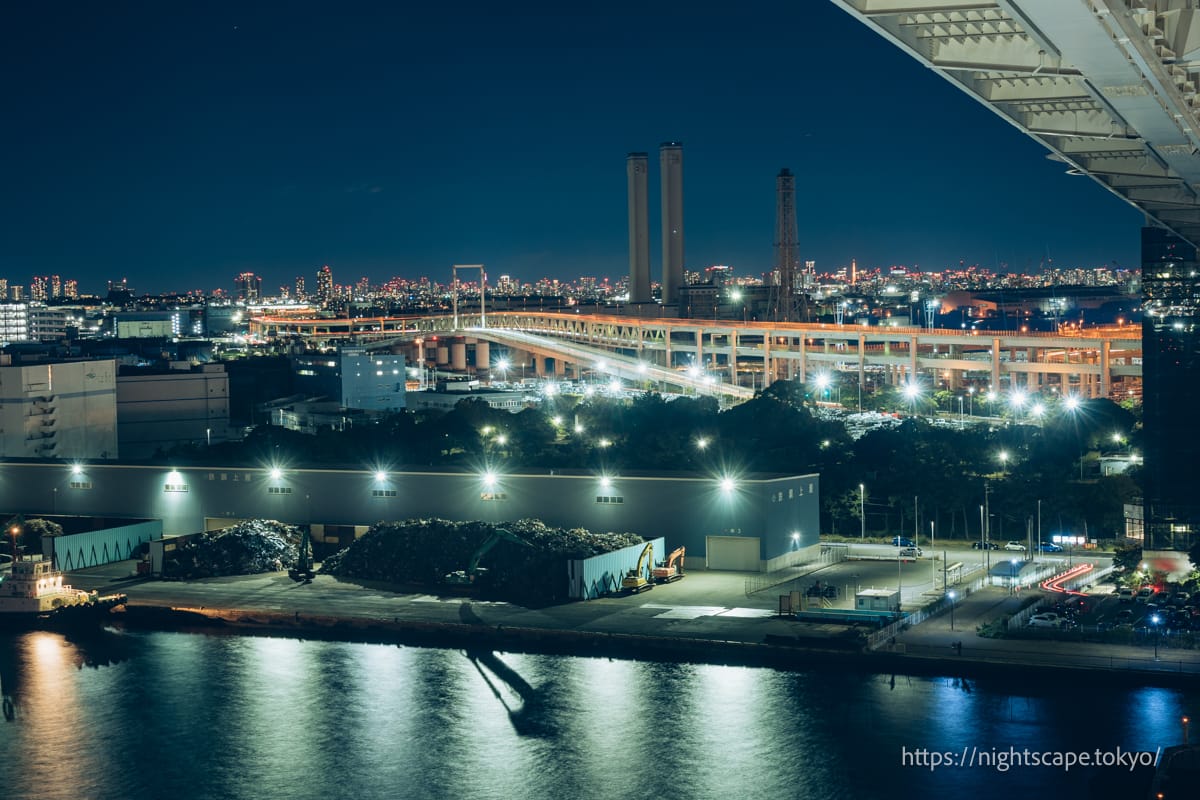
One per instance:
(786, 299)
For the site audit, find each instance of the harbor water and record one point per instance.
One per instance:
(137, 715)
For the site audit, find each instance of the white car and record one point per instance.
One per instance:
(1046, 620)
(1015, 546)
(911, 552)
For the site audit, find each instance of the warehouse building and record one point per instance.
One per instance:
(747, 522)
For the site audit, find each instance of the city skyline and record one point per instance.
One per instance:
(182, 147)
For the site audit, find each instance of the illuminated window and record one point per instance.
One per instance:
(493, 495)
(383, 493)
(279, 490)
(610, 499)
(175, 487)
(81, 484)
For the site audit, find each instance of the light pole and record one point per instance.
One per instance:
(932, 558)
(1154, 620)
(961, 421)
(862, 516)
(951, 595)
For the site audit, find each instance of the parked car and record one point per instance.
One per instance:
(902, 541)
(1125, 595)
(1015, 546)
(1047, 620)
(1144, 595)
(1124, 615)
(911, 552)
(829, 590)
(985, 546)
(1051, 547)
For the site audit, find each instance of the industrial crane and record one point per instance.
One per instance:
(669, 572)
(635, 581)
(474, 571)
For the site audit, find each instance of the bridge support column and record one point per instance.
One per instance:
(803, 359)
(539, 366)
(862, 366)
(768, 362)
(1105, 368)
(700, 348)
(483, 356)
(733, 359)
(458, 355)
(912, 362)
(996, 364)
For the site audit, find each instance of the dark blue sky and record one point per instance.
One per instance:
(180, 143)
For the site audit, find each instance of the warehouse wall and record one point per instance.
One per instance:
(783, 512)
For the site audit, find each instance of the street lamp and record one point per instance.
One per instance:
(1155, 620)
(951, 594)
(862, 516)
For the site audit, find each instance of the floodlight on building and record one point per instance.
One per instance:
(728, 485)
(380, 476)
(276, 473)
(605, 482)
(76, 469)
(489, 479)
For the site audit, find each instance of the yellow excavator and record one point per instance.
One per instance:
(672, 570)
(635, 581)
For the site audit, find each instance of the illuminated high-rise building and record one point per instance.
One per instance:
(71, 289)
(301, 295)
(55, 286)
(38, 288)
(325, 294)
(1170, 386)
(249, 287)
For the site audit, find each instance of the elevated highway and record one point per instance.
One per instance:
(733, 359)
(1110, 87)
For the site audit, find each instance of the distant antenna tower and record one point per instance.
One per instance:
(786, 300)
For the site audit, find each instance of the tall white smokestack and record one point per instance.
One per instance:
(670, 156)
(637, 167)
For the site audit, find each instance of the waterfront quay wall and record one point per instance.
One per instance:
(778, 652)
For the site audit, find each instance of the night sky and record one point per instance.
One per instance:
(179, 143)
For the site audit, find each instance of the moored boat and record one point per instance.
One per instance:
(34, 593)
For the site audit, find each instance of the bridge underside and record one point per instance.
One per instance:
(1110, 87)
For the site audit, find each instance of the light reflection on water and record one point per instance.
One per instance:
(164, 715)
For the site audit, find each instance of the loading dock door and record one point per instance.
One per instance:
(732, 553)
